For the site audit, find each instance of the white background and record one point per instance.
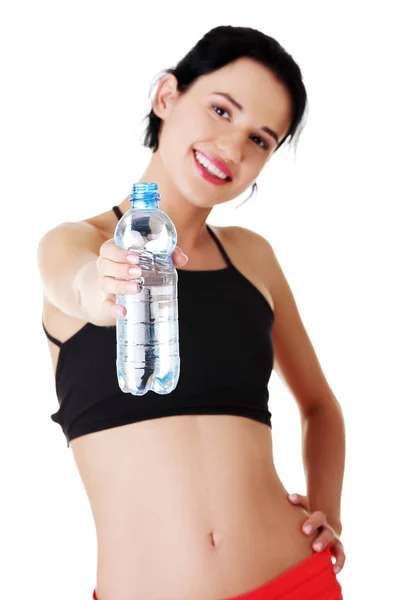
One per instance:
(76, 78)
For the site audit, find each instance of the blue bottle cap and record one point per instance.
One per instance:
(145, 191)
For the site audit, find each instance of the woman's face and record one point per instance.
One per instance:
(221, 125)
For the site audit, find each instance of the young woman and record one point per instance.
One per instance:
(186, 500)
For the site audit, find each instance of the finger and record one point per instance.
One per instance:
(113, 252)
(323, 539)
(299, 499)
(111, 285)
(315, 520)
(111, 308)
(179, 258)
(340, 556)
(108, 268)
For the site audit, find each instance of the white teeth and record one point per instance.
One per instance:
(209, 166)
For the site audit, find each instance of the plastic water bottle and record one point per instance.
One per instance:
(148, 335)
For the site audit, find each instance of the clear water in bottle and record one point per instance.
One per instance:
(148, 336)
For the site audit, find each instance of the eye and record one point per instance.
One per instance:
(260, 142)
(257, 140)
(219, 110)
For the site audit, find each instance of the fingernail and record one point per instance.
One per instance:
(293, 497)
(318, 546)
(132, 258)
(307, 528)
(336, 569)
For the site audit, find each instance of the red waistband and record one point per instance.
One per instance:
(311, 579)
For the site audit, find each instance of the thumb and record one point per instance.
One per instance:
(179, 257)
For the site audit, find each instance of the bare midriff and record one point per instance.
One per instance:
(188, 508)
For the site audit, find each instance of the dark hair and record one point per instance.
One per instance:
(223, 45)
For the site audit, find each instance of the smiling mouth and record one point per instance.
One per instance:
(209, 166)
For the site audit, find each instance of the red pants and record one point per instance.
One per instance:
(312, 579)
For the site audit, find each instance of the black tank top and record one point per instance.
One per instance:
(226, 356)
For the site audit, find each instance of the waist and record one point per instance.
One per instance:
(196, 491)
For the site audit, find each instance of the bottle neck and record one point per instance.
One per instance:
(144, 204)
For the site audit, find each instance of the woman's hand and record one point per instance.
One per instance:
(317, 521)
(118, 269)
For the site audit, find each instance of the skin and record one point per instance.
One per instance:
(224, 525)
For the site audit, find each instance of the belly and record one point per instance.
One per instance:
(188, 507)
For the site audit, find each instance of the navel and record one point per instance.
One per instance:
(215, 539)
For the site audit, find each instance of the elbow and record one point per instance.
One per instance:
(325, 404)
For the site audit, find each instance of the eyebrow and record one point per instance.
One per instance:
(228, 97)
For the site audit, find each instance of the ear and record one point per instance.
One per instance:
(166, 96)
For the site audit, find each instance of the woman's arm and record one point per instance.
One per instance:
(324, 457)
(321, 416)
(67, 257)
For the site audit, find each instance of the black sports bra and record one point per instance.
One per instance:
(226, 355)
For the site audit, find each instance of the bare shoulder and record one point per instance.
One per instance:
(255, 248)
(88, 233)
(93, 231)
(106, 222)
(242, 235)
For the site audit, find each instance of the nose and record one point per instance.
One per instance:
(230, 148)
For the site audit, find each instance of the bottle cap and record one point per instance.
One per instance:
(147, 192)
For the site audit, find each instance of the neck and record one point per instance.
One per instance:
(189, 220)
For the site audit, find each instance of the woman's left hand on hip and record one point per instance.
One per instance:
(317, 521)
